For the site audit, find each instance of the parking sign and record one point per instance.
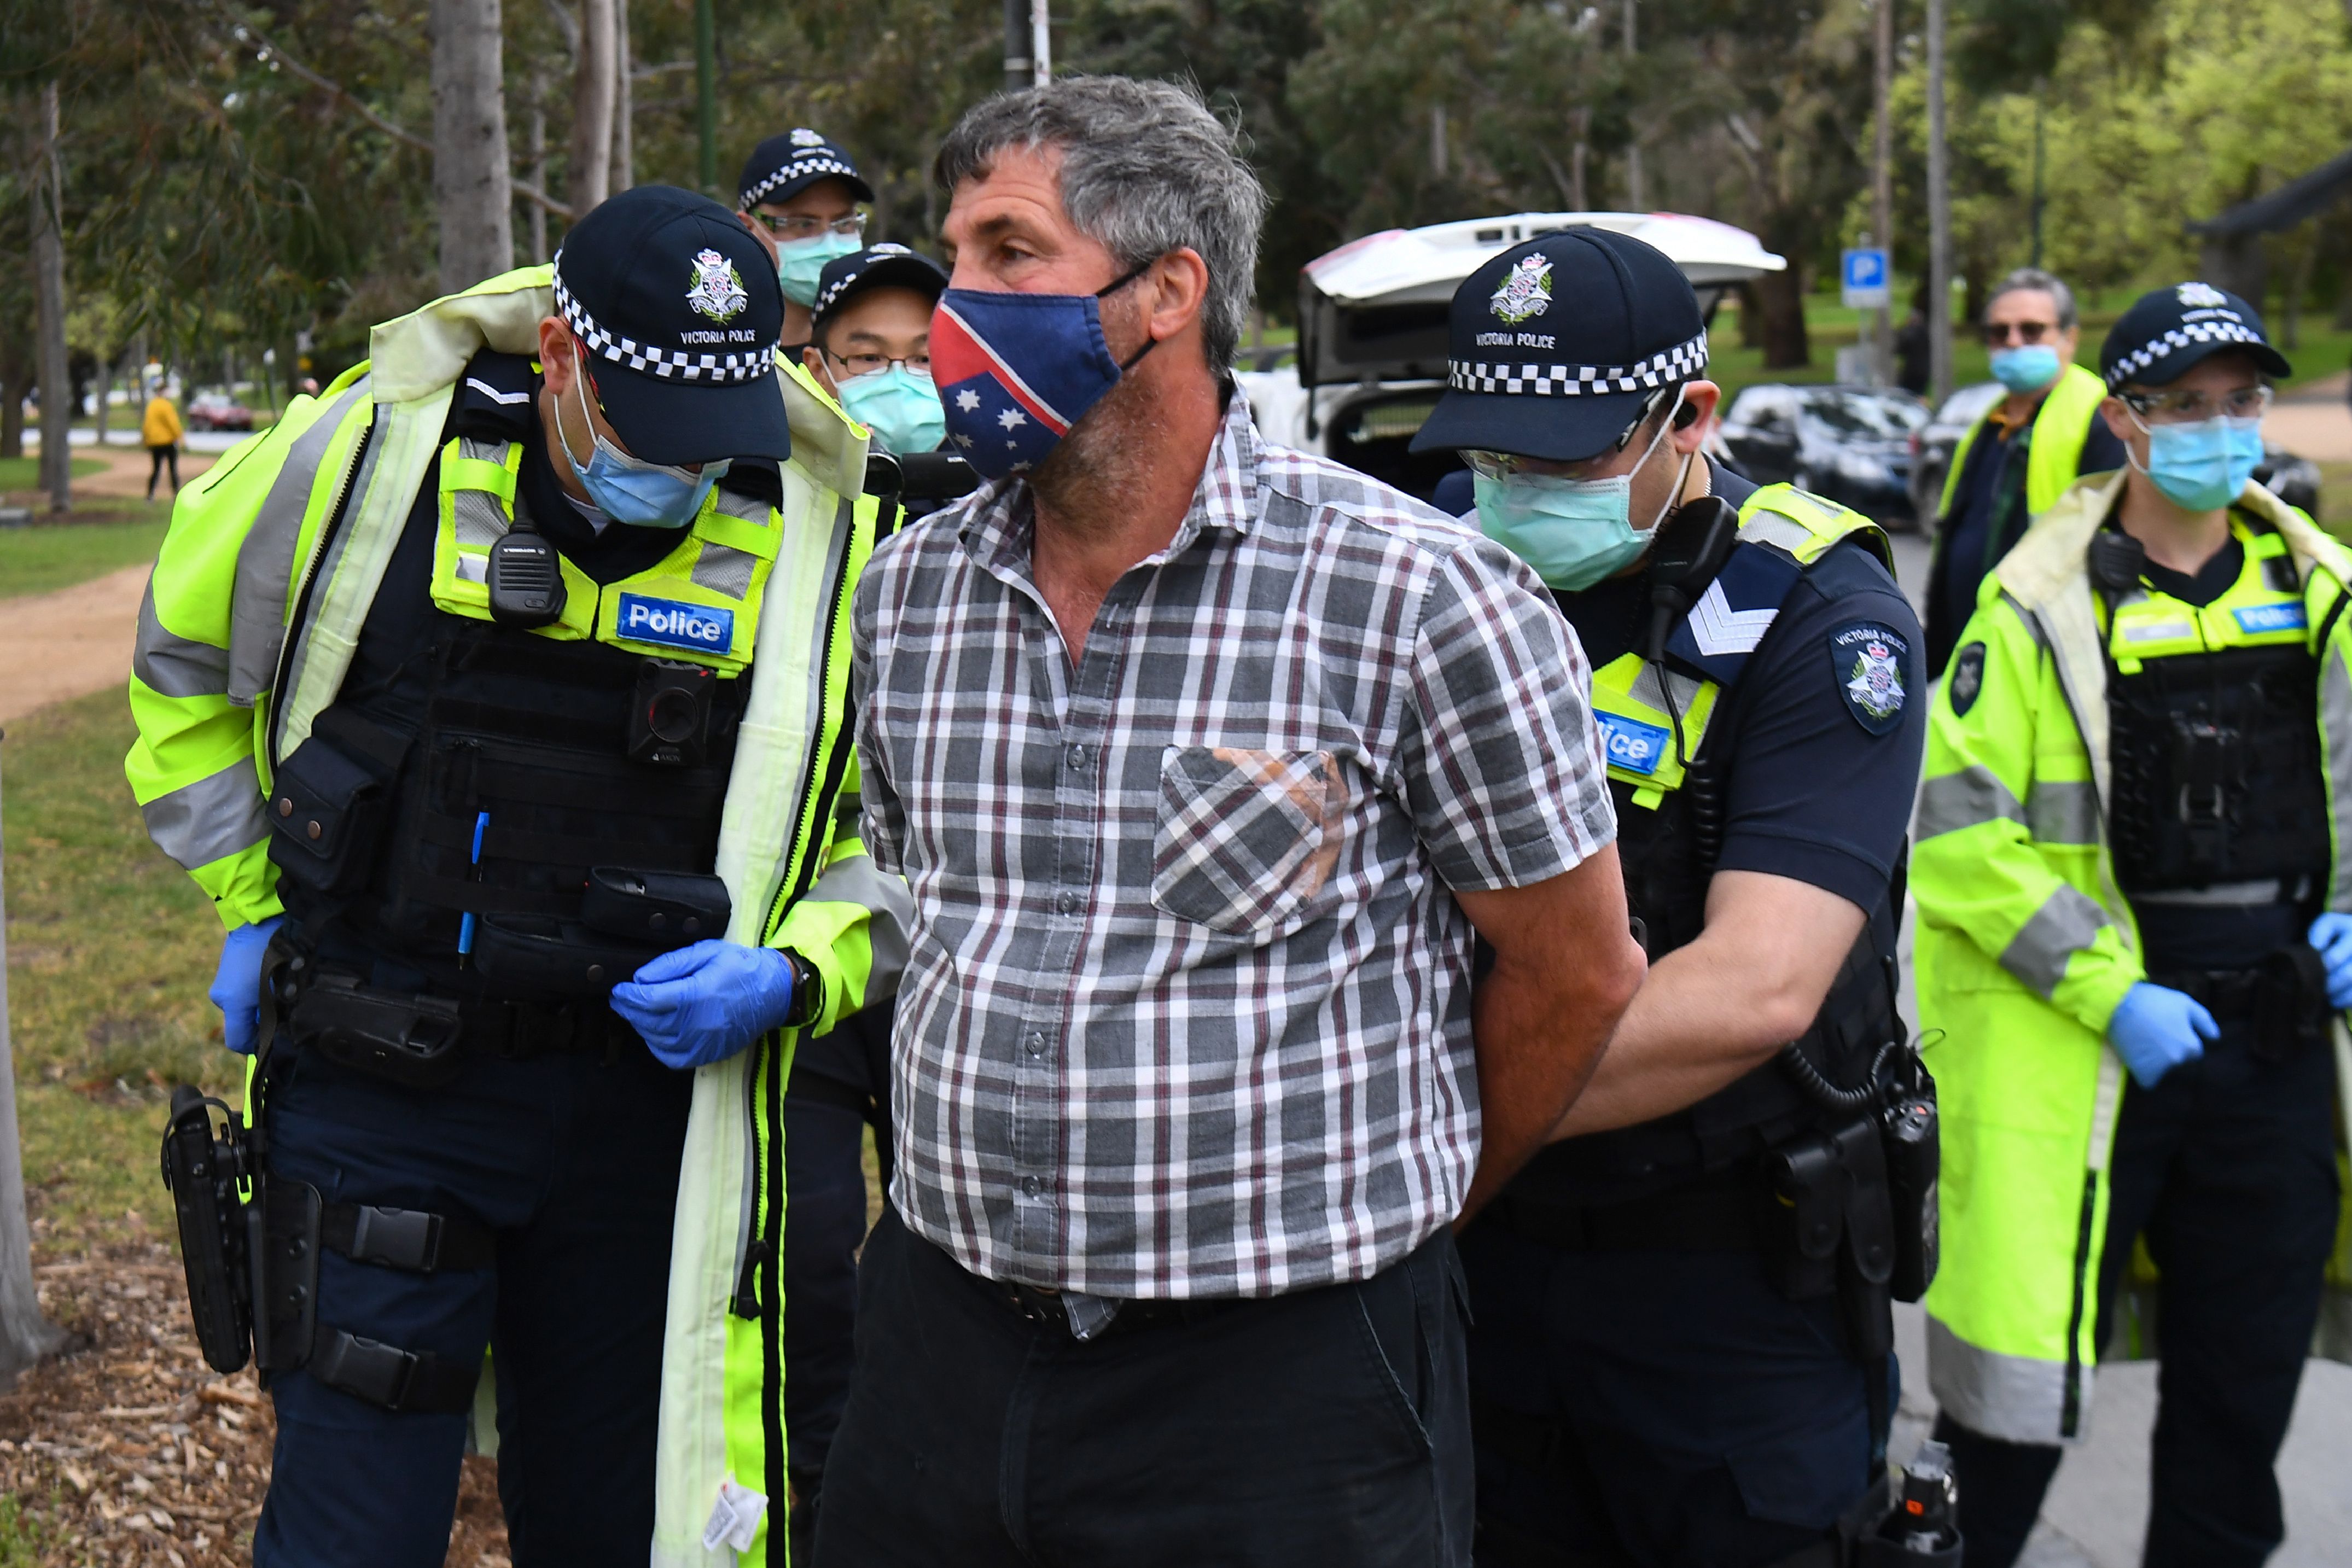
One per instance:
(1863, 275)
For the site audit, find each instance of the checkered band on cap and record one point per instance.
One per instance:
(2174, 340)
(841, 285)
(1676, 364)
(670, 364)
(818, 161)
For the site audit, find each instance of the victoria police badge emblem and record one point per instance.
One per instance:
(1967, 679)
(1866, 659)
(717, 290)
(1527, 292)
(2203, 295)
(803, 136)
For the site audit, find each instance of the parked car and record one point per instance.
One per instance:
(1371, 359)
(1851, 444)
(2294, 480)
(217, 411)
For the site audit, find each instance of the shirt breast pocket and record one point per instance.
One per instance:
(1245, 837)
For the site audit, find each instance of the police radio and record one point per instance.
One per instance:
(525, 578)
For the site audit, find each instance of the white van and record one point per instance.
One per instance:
(1371, 329)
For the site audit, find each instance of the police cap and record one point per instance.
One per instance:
(783, 166)
(1557, 346)
(885, 266)
(2168, 330)
(678, 310)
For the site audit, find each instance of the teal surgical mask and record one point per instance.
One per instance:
(2204, 465)
(901, 408)
(1572, 532)
(631, 490)
(2025, 370)
(799, 262)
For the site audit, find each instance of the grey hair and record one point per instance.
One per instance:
(2033, 278)
(1146, 169)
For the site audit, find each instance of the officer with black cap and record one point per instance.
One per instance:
(1682, 1333)
(2135, 926)
(510, 668)
(800, 193)
(871, 344)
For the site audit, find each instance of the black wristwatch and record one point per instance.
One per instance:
(808, 992)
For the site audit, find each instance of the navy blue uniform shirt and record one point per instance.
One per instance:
(1817, 790)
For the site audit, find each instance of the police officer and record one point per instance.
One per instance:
(509, 667)
(2021, 452)
(801, 194)
(870, 344)
(1664, 1370)
(2130, 870)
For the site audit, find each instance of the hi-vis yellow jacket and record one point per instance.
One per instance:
(251, 619)
(2026, 944)
(2060, 425)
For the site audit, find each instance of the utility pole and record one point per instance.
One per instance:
(1635, 199)
(1939, 217)
(1019, 66)
(1041, 42)
(1882, 175)
(705, 91)
(26, 1336)
(49, 311)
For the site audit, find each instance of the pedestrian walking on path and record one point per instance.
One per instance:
(160, 429)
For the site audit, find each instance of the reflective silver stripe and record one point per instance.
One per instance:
(723, 569)
(1769, 528)
(2336, 725)
(1964, 799)
(858, 879)
(751, 508)
(2067, 921)
(2062, 813)
(213, 817)
(2016, 1398)
(2222, 896)
(476, 517)
(173, 665)
(265, 561)
(1645, 690)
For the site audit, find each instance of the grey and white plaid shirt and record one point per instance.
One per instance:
(1188, 1008)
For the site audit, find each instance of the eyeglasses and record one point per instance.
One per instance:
(917, 365)
(2189, 407)
(799, 226)
(1997, 335)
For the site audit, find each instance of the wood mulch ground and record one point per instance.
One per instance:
(128, 1450)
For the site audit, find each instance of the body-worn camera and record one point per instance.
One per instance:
(669, 720)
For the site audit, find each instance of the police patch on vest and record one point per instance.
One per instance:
(695, 626)
(2257, 619)
(1866, 661)
(1635, 746)
(1967, 679)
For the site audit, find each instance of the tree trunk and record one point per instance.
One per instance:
(625, 135)
(471, 181)
(1751, 317)
(1780, 298)
(536, 148)
(50, 294)
(26, 1336)
(591, 109)
(16, 374)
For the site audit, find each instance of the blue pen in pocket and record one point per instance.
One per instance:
(465, 922)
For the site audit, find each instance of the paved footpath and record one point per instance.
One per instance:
(78, 640)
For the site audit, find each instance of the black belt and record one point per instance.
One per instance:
(520, 1031)
(1045, 1309)
(1712, 1219)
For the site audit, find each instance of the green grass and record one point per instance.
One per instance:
(24, 473)
(47, 556)
(21, 1538)
(111, 948)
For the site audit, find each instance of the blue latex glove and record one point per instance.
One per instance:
(2332, 935)
(704, 1003)
(237, 988)
(2155, 1028)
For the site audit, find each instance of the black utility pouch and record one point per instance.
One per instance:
(400, 1037)
(329, 801)
(564, 962)
(1810, 1188)
(286, 1314)
(2291, 1008)
(663, 909)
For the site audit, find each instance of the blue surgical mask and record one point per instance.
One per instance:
(2025, 370)
(799, 262)
(2203, 467)
(1573, 532)
(901, 408)
(631, 490)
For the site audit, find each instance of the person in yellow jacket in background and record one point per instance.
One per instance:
(159, 430)
(2020, 453)
(499, 698)
(2133, 863)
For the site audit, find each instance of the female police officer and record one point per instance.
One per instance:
(1659, 1375)
(2135, 807)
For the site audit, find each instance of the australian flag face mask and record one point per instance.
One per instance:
(1017, 370)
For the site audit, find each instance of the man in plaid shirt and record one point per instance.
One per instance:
(1203, 762)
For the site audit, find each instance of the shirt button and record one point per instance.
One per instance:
(1038, 1043)
(1069, 903)
(1077, 758)
(1031, 1187)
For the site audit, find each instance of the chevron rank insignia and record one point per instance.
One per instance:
(1730, 618)
(1866, 660)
